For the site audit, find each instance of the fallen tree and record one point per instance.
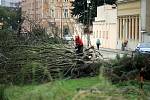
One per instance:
(30, 59)
(127, 68)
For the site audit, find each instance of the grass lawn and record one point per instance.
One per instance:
(92, 88)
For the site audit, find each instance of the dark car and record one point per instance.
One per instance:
(143, 48)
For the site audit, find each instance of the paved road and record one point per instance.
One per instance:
(111, 54)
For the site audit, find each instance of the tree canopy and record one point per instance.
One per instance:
(83, 13)
(10, 17)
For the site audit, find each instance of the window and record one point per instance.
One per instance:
(94, 34)
(65, 0)
(99, 34)
(52, 12)
(66, 13)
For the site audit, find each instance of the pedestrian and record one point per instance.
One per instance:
(124, 45)
(141, 78)
(79, 45)
(98, 43)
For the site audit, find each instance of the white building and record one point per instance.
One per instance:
(105, 27)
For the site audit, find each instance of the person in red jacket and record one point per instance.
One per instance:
(79, 44)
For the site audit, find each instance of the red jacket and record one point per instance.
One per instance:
(78, 40)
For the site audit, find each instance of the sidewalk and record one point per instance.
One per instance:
(114, 50)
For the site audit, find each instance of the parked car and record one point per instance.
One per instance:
(143, 48)
(68, 39)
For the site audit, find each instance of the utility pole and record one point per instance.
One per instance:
(88, 26)
(61, 8)
(61, 22)
(35, 9)
(42, 9)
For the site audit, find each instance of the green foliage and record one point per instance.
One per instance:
(25, 59)
(10, 17)
(90, 88)
(34, 72)
(3, 93)
(80, 7)
(6, 37)
(39, 32)
(127, 68)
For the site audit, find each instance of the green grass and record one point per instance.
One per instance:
(92, 88)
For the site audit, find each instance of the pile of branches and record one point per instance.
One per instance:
(127, 68)
(28, 59)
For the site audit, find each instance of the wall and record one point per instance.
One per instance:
(130, 8)
(148, 16)
(105, 27)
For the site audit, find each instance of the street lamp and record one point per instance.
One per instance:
(61, 22)
(88, 2)
(1, 24)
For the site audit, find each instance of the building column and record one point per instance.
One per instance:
(118, 25)
(132, 27)
(130, 31)
(121, 33)
(124, 28)
(136, 28)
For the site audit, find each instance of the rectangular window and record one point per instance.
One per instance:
(65, 0)
(99, 34)
(66, 13)
(52, 13)
(107, 35)
(93, 34)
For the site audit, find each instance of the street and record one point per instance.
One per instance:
(111, 54)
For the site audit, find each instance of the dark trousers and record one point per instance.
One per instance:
(79, 49)
(98, 46)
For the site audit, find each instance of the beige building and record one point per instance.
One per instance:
(49, 14)
(105, 27)
(145, 20)
(133, 21)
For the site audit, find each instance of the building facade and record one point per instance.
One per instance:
(133, 22)
(105, 26)
(49, 13)
(145, 20)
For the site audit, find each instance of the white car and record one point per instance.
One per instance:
(68, 38)
(143, 48)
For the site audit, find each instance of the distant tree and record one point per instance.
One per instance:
(10, 17)
(82, 13)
